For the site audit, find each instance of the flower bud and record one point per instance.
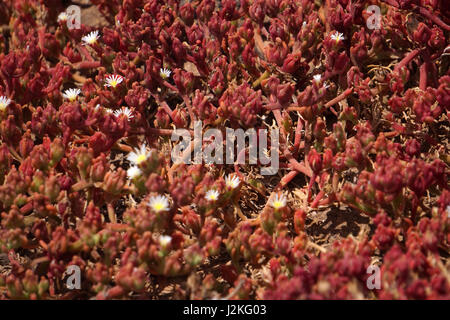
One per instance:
(422, 34)
(353, 154)
(26, 144)
(52, 188)
(340, 136)
(98, 168)
(315, 161)
(299, 221)
(83, 159)
(114, 181)
(187, 13)
(39, 158)
(292, 63)
(56, 151)
(412, 147)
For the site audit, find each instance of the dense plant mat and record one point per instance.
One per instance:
(88, 188)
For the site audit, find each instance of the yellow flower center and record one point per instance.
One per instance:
(141, 158)
(158, 206)
(278, 204)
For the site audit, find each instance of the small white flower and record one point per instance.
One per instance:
(125, 111)
(164, 240)
(212, 195)
(71, 94)
(109, 110)
(138, 156)
(278, 202)
(164, 73)
(62, 17)
(317, 78)
(337, 36)
(113, 81)
(4, 102)
(133, 172)
(91, 38)
(447, 209)
(232, 181)
(159, 203)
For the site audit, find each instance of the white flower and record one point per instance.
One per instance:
(62, 17)
(4, 102)
(232, 181)
(164, 240)
(159, 203)
(125, 111)
(317, 78)
(71, 94)
(109, 110)
(212, 195)
(113, 81)
(138, 156)
(133, 172)
(278, 202)
(164, 73)
(337, 36)
(447, 209)
(91, 38)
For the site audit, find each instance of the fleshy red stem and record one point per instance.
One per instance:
(393, 3)
(298, 136)
(286, 179)
(407, 59)
(190, 110)
(87, 65)
(111, 213)
(423, 76)
(293, 163)
(339, 98)
(311, 182)
(163, 132)
(433, 18)
(114, 292)
(319, 197)
(297, 165)
(166, 109)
